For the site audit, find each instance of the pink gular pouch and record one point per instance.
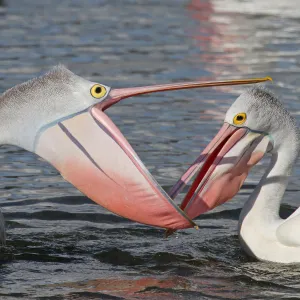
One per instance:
(90, 152)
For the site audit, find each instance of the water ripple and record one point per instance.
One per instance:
(60, 245)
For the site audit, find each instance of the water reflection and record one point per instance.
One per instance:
(243, 40)
(140, 288)
(216, 42)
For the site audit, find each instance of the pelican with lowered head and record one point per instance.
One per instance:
(255, 124)
(60, 116)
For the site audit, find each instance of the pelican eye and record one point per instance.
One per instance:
(98, 91)
(239, 119)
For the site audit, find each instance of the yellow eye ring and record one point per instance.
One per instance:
(239, 119)
(98, 91)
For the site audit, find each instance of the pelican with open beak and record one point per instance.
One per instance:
(60, 116)
(255, 124)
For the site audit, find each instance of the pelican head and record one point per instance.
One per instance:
(266, 114)
(255, 124)
(60, 116)
(32, 107)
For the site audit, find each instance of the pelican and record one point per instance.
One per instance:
(60, 117)
(255, 124)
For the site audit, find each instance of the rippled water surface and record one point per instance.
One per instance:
(61, 245)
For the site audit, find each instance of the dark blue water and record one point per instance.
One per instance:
(63, 246)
